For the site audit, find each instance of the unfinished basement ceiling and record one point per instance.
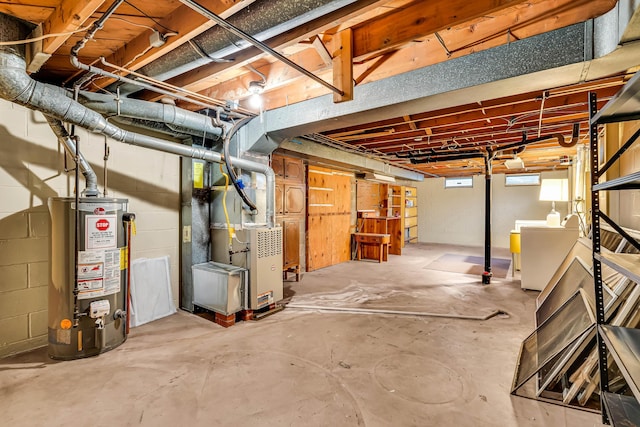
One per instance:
(168, 40)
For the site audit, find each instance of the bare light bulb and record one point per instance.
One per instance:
(255, 100)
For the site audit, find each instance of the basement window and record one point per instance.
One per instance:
(522, 179)
(460, 182)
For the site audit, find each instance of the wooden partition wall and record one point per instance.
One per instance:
(328, 217)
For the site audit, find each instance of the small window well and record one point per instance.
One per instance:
(461, 182)
(522, 179)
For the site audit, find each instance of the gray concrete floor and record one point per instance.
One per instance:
(308, 368)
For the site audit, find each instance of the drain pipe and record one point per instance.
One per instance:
(16, 86)
(91, 186)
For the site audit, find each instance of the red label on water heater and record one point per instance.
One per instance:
(100, 232)
(102, 224)
(99, 211)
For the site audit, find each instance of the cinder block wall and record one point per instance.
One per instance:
(31, 171)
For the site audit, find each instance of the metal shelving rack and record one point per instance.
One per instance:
(622, 344)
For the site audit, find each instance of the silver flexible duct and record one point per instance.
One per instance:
(16, 86)
(91, 189)
(174, 117)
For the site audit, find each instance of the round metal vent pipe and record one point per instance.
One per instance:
(69, 144)
(16, 86)
(176, 118)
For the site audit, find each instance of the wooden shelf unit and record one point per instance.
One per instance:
(393, 201)
(410, 216)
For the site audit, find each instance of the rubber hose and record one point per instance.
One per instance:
(227, 163)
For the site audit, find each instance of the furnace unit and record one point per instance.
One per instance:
(259, 250)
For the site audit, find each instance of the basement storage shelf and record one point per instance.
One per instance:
(410, 215)
(622, 344)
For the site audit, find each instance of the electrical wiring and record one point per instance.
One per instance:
(44, 36)
(100, 89)
(147, 49)
(132, 23)
(148, 16)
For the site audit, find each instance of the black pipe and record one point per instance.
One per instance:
(526, 141)
(486, 274)
(444, 158)
(439, 156)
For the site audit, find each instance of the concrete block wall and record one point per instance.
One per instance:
(31, 171)
(456, 215)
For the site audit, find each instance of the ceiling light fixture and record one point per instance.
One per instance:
(377, 177)
(515, 163)
(256, 87)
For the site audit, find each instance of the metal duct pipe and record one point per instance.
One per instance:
(263, 19)
(148, 125)
(16, 86)
(172, 116)
(91, 187)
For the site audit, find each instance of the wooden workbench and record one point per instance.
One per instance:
(383, 225)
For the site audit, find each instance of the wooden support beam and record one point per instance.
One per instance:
(411, 123)
(373, 67)
(31, 13)
(279, 73)
(68, 16)
(322, 50)
(405, 59)
(418, 20)
(197, 79)
(343, 66)
(185, 21)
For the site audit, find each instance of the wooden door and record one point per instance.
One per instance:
(290, 207)
(277, 164)
(291, 242)
(294, 199)
(279, 198)
(293, 170)
(329, 217)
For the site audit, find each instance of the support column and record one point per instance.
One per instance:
(343, 66)
(486, 274)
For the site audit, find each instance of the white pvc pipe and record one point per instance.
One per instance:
(395, 312)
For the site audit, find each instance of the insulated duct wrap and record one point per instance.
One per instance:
(16, 86)
(263, 19)
(172, 116)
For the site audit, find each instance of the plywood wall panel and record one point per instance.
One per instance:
(329, 220)
(319, 247)
(341, 241)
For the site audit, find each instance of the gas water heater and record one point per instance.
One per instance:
(87, 288)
